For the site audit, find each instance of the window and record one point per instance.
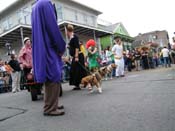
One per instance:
(70, 14)
(81, 18)
(120, 30)
(10, 22)
(155, 37)
(26, 12)
(59, 12)
(20, 16)
(85, 19)
(76, 16)
(90, 20)
(5, 25)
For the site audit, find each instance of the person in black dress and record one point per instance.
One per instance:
(145, 60)
(77, 70)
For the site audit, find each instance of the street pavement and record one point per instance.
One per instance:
(141, 101)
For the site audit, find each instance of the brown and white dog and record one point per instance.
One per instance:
(90, 81)
(94, 80)
(110, 68)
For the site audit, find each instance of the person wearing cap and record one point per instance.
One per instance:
(48, 46)
(117, 50)
(25, 56)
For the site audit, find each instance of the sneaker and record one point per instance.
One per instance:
(61, 107)
(91, 91)
(54, 113)
(13, 91)
(76, 88)
(100, 90)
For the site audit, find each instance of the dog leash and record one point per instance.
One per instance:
(24, 84)
(85, 68)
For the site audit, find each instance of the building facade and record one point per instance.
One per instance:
(15, 22)
(160, 38)
(118, 29)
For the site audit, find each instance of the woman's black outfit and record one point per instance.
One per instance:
(145, 60)
(77, 70)
(129, 62)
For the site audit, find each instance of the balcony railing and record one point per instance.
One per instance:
(20, 17)
(24, 17)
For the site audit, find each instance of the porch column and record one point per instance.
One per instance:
(99, 45)
(98, 42)
(22, 36)
(111, 39)
(94, 35)
(67, 51)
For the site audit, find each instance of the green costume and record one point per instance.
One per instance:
(93, 60)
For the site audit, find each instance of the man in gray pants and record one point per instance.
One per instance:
(48, 47)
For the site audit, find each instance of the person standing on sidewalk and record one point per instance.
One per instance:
(25, 60)
(48, 47)
(137, 57)
(25, 56)
(165, 53)
(117, 49)
(14, 64)
(77, 71)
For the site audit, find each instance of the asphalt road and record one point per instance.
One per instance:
(141, 101)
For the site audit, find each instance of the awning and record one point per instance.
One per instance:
(85, 30)
(14, 34)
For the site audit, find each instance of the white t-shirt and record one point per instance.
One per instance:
(118, 50)
(165, 52)
(2, 69)
(108, 55)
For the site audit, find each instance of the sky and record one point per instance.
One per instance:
(138, 16)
